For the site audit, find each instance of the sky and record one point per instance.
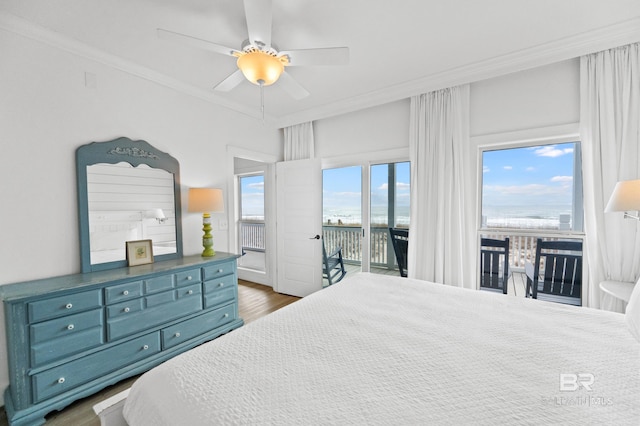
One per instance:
(541, 175)
(252, 188)
(538, 176)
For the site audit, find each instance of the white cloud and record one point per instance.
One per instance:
(530, 169)
(562, 179)
(485, 169)
(552, 151)
(508, 168)
(256, 185)
(399, 185)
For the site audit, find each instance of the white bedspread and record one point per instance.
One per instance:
(384, 350)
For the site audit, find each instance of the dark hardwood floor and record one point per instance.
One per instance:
(255, 301)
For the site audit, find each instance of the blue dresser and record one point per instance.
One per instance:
(70, 336)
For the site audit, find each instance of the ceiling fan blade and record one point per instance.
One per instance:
(292, 87)
(230, 82)
(196, 42)
(321, 56)
(259, 16)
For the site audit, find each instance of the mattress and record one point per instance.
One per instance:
(387, 350)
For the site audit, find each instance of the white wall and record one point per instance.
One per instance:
(46, 112)
(541, 97)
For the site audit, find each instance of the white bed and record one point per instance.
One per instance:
(384, 350)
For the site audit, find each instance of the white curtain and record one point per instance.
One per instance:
(298, 142)
(609, 127)
(442, 234)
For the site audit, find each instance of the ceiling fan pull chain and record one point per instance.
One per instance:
(261, 98)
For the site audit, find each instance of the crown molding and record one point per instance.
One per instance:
(543, 54)
(28, 29)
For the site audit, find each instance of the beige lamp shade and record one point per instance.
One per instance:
(625, 197)
(205, 200)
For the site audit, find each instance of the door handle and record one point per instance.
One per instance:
(317, 237)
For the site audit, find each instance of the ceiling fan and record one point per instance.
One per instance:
(258, 59)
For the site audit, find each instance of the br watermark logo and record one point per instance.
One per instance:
(582, 386)
(570, 382)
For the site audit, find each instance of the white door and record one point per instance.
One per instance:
(299, 227)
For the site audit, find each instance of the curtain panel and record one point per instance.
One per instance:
(609, 128)
(442, 237)
(298, 142)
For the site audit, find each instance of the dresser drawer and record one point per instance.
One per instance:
(186, 330)
(64, 305)
(219, 297)
(188, 277)
(126, 291)
(67, 376)
(124, 325)
(125, 308)
(44, 352)
(224, 268)
(228, 281)
(65, 326)
(194, 290)
(158, 284)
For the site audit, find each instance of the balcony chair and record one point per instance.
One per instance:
(557, 272)
(494, 265)
(400, 240)
(333, 265)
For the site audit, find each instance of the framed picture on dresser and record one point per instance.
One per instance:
(139, 252)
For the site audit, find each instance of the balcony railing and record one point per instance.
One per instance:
(522, 245)
(350, 239)
(252, 235)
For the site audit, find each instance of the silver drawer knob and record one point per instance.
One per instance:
(70, 327)
(190, 292)
(189, 278)
(177, 334)
(220, 271)
(61, 380)
(69, 306)
(126, 292)
(145, 347)
(226, 315)
(221, 285)
(127, 309)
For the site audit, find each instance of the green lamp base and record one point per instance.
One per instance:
(207, 238)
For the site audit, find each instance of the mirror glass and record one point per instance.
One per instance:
(127, 191)
(129, 203)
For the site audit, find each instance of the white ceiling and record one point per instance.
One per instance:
(397, 48)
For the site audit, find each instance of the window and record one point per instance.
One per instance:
(533, 187)
(252, 232)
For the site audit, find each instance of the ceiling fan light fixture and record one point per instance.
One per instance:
(260, 68)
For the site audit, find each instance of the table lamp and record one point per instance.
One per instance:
(206, 201)
(625, 198)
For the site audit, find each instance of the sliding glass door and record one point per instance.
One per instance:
(342, 213)
(390, 205)
(360, 204)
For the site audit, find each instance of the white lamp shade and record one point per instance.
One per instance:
(625, 197)
(205, 200)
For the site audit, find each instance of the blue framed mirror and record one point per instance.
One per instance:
(127, 191)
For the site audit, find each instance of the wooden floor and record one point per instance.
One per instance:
(255, 301)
